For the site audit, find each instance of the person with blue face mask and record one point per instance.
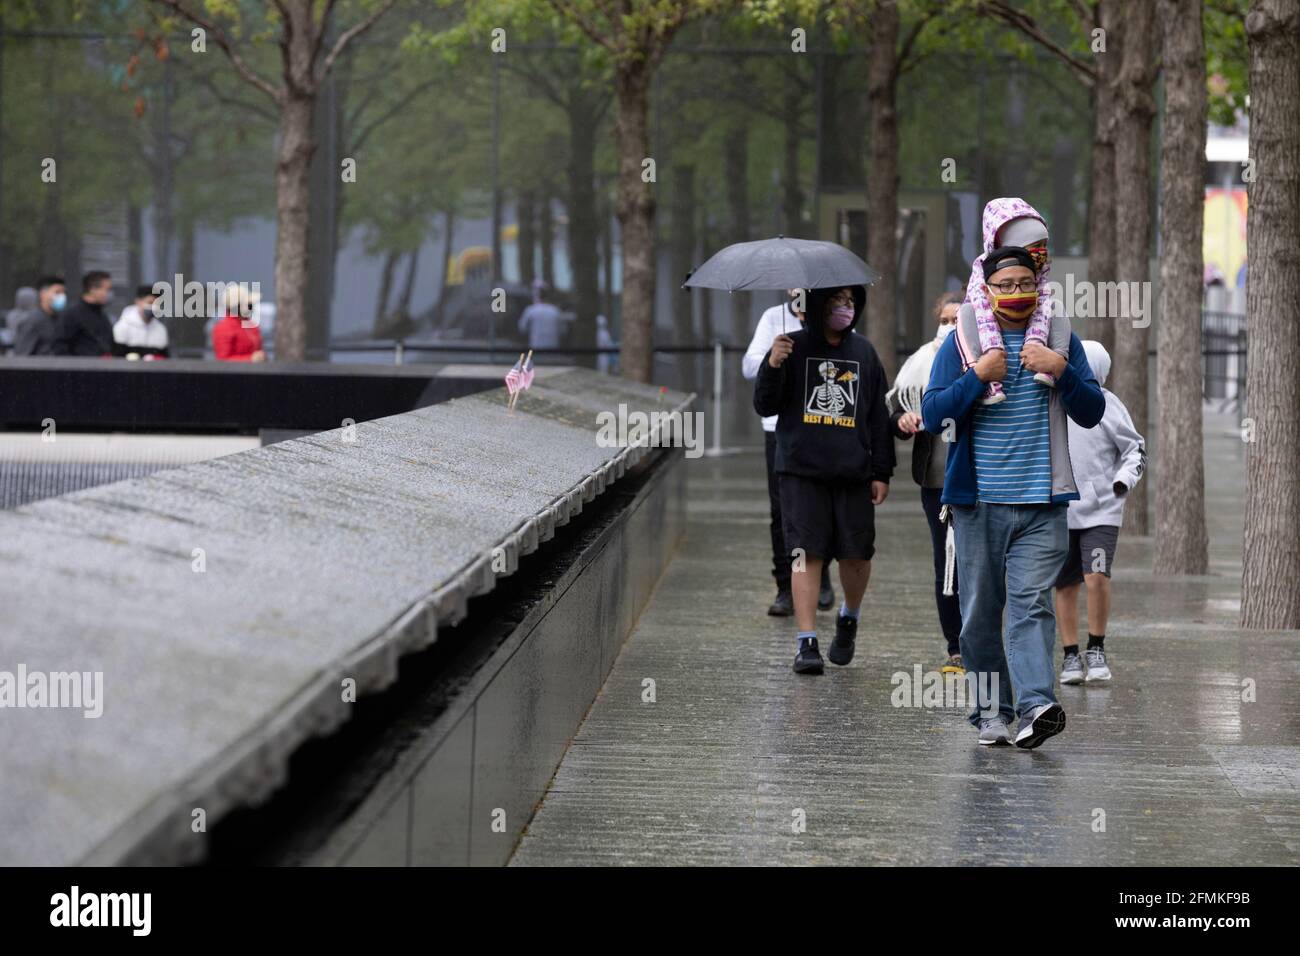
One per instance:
(38, 334)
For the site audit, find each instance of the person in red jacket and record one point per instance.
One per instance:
(236, 338)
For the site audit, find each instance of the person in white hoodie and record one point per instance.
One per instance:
(779, 320)
(138, 329)
(1107, 461)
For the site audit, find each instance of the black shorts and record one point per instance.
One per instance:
(828, 520)
(1091, 551)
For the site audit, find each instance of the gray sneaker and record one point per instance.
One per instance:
(993, 732)
(1097, 669)
(1045, 720)
(1072, 669)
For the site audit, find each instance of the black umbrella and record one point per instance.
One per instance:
(782, 263)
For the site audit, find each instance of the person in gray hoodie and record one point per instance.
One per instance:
(1107, 461)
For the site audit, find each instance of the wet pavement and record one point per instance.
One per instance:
(1189, 757)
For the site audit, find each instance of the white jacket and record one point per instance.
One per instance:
(769, 327)
(1112, 451)
(132, 331)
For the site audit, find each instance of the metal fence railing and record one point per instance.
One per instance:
(1223, 357)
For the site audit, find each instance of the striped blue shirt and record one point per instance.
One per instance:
(1010, 441)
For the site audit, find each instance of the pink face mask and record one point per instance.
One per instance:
(841, 318)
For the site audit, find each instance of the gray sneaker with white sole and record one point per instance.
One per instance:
(1072, 669)
(1097, 669)
(993, 732)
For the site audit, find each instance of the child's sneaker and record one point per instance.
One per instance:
(1097, 669)
(846, 635)
(952, 665)
(1072, 669)
(994, 394)
(1045, 378)
(1045, 720)
(809, 659)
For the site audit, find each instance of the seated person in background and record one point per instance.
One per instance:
(138, 329)
(24, 306)
(236, 338)
(38, 334)
(84, 328)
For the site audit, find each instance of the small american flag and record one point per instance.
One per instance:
(515, 376)
(526, 375)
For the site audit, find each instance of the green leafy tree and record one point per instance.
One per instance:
(312, 35)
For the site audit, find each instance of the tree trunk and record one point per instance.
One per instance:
(135, 246)
(448, 249)
(385, 293)
(1270, 592)
(791, 189)
(1181, 545)
(583, 232)
(408, 286)
(1136, 110)
(293, 210)
(707, 332)
(525, 213)
(607, 256)
(882, 183)
(735, 157)
(325, 187)
(683, 260)
(163, 170)
(546, 235)
(636, 216)
(1101, 204)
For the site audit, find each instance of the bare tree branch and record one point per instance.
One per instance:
(571, 13)
(905, 50)
(324, 28)
(388, 114)
(353, 32)
(223, 41)
(1019, 20)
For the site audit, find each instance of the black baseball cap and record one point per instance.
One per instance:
(1004, 256)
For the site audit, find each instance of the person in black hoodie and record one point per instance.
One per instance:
(834, 456)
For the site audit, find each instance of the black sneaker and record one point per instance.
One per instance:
(826, 597)
(809, 659)
(783, 606)
(1045, 720)
(846, 634)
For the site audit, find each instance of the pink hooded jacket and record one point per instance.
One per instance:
(998, 213)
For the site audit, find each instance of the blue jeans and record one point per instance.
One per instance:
(1009, 556)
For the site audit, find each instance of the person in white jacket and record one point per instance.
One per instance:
(779, 319)
(1108, 461)
(138, 329)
